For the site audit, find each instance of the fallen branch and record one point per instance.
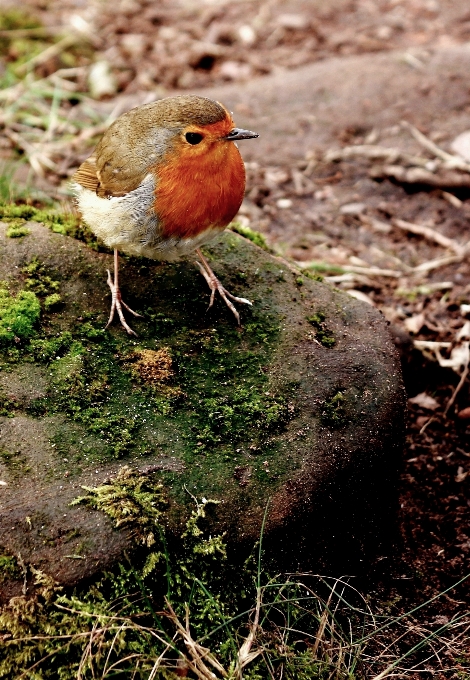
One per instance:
(447, 178)
(450, 161)
(375, 152)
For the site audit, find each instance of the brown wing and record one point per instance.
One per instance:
(87, 175)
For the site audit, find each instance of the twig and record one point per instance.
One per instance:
(451, 161)
(375, 152)
(446, 178)
(430, 234)
(345, 268)
(438, 262)
(457, 389)
(38, 160)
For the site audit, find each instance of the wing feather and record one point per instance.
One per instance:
(87, 175)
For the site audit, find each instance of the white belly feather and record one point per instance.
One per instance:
(128, 223)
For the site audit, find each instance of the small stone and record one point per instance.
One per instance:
(352, 208)
(235, 70)
(425, 401)
(101, 81)
(134, 44)
(294, 21)
(246, 35)
(414, 323)
(359, 295)
(284, 203)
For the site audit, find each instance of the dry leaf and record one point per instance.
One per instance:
(414, 323)
(359, 295)
(464, 414)
(461, 145)
(424, 400)
(461, 474)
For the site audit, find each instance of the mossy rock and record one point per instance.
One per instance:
(307, 415)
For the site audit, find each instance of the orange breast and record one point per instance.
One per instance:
(196, 193)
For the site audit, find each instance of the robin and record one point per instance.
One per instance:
(165, 179)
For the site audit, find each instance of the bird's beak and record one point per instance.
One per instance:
(237, 133)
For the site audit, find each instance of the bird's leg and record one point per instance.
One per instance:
(215, 285)
(117, 303)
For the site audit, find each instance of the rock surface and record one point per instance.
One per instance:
(303, 405)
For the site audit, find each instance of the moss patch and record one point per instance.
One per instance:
(38, 280)
(56, 220)
(333, 413)
(324, 336)
(18, 315)
(9, 569)
(253, 236)
(17, 230)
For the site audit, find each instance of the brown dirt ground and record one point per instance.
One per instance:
(315, 210)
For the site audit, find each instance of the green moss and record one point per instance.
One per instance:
(18, 316)
(57, 221)
(51, 626)
(133, 501)
(253, 236)
(312, 275)
(46, 349)
(8, 406)
(9, 569)
(38, 280)
(323, 267)
(52, 301)
(14, 462)
(333, 413)
(17, 230)
(324, 336)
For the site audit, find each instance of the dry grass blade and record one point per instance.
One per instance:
(197, 652)
(245, 655)
(49, 53)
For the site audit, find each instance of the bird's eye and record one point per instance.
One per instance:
(193, 137)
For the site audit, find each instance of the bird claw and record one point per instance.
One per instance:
(117, 303)
(215, 286)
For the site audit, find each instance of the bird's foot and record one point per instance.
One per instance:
(215, 286)
(117, 303)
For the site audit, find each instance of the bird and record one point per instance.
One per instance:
(165, 179)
